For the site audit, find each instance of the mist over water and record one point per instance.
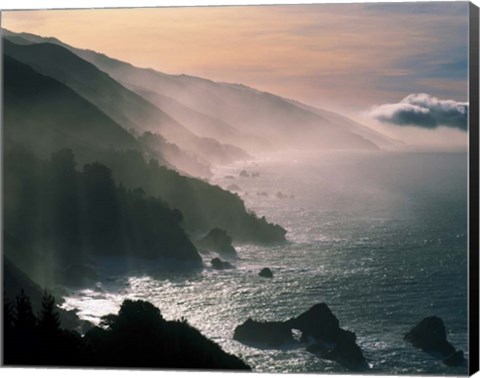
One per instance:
(380, 237)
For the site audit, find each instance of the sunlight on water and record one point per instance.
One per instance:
(381, 238)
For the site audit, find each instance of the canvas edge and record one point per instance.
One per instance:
(473, 365)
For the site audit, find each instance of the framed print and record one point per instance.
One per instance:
(265, 188)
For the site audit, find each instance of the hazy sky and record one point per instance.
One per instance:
(345, 57)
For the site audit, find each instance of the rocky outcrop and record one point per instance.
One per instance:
(217, 240)
(319, 328)
(318, 323)
(454, 359)
(344, 350)
(268, 333)
(430, 336)
(266, 273)
(220, 265)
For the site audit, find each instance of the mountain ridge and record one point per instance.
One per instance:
(124, 106)
(84, 126)
(299, 123)
(57, 115)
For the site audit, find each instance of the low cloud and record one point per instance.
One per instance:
(423, 110)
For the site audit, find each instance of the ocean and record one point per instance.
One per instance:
(381, 237)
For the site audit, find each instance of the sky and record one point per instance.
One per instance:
(351, 58)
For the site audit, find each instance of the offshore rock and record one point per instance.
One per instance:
(430, 336)
(220, 265)
(266, 273)
(318, 326)
(269, 333)
(217, 240)
(454, 359)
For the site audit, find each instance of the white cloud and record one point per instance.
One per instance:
(423, 110)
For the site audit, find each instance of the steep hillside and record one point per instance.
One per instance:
(283, 122)
(43, 115)
(66, 217)
(15, 280)
(204, 206)
(205, 125)
(379, 139)
(128, 109)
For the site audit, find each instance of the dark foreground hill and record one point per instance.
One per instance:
(137, 337)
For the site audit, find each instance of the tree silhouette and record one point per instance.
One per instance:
(25, 319)
(137, 315)
(48, 318)
(8, 315)
(138, 336)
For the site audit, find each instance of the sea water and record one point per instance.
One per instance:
(381, 237)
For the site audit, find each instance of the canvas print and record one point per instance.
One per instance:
(276, 188)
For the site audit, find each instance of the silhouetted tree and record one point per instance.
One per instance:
(24, 317)
(140, 315)
(48, 318)
(138, 336)
(8, 315)
(42, 342)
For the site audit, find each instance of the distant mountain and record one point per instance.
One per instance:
(283, 122)
(128, 109)
(43, 115)
(205, 125)
(379, 139)
(154, 145)
(250, 111)
(195, 121)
